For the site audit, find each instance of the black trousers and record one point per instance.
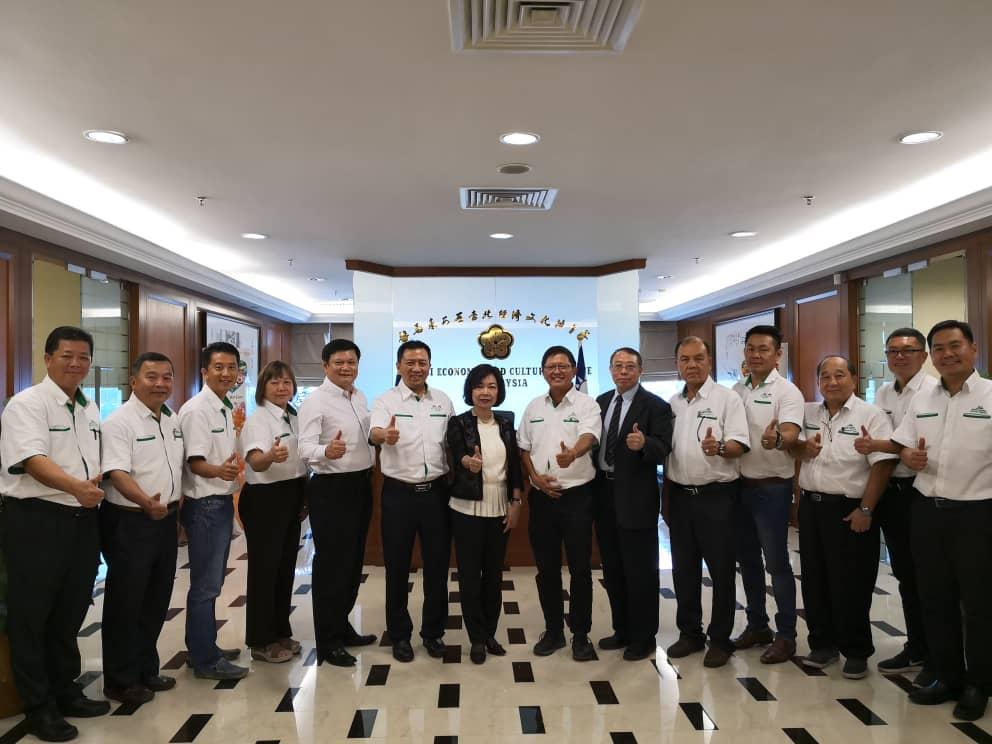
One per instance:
(630, 569)
(894, 516)
(340, 510)
(270, 513)
(952, 545)
(52, 553)
(567, 520)
(839, 569)
(405, 515)
(701, 529)
(141, 562)
(480, 546)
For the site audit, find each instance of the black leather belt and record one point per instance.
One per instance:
(172, 506)
(351, 474)
(424, 487)
(942, 503)
(826, 498)
(759, 482)
(705, 487)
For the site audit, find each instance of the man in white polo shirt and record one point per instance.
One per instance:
(409, 422)
(143, 462)
(838, 538)
(50, 449)
(774, 408)
(556, 434)
(209, 480)
(701, 482)
(946, 438)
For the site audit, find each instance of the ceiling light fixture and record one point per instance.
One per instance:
(254, 236)
(743, 234)
(920, 138)
(514, 169)
(106, 136)
(519, 138)
(317, 279)
(500, 236)
(663, 276)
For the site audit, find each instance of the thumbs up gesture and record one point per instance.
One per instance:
(813, 447)
(336, 448)
(229, 468)
(155, 509)
(635, 440)
(915, 458)
(278, 452)
(473, 462)
(770, 436)
(566, 457)
(88, 492)
(392, 433)
(709, 443)
(864, 445)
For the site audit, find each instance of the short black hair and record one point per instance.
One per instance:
(691, 340)
(553, 350)
(900, 332)
(475, 377)
(217, 347)
(409, 346)
(149, 356)
(272, 371)
(850, 365)
(950, 325)
(67, 333)
(336, 345)
(628, 350)
(765, 330)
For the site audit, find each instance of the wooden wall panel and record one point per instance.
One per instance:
(5, 329)
(163, 329)
(819, 324)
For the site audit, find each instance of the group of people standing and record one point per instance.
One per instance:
(738, 464)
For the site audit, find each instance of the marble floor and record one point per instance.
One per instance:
(519, 697)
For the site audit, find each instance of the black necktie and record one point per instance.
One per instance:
(613, 432)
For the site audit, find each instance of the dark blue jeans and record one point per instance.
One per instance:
(208, 522)
(762, 527)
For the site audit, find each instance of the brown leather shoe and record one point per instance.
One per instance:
(750, 638)
(782, 649)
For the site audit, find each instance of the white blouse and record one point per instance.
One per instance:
(493, 503)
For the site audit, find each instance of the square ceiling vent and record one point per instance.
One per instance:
(530, 200)
(542, 26)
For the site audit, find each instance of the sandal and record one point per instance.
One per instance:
(274, 653)
(294, 646)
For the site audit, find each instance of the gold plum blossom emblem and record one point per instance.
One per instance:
(495, 342)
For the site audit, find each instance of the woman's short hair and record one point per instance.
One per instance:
(475, 377)
(272, 371)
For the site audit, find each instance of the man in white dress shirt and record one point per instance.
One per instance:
(334, 443)
(409, 422)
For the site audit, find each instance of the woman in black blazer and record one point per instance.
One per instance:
(485, 504)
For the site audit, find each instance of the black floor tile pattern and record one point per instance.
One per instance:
(454, 622)
(900, 681)
(604, 693)
(973, 732)
(454, 597)
(239, 601)
(511, 608)
(707, 581)
(506, 585)
(799, 736)
(89, 630)
(220, 624)
(311, 658)
(229, 570)
(385, 640)
(243, 557)
(173, 611)
(85, 679)
(671, 666)
(698, 716)
(191, 729)
(667, 593)
(302, 589)
(888, 629)
(523, 671)
(176, 662)
(378, 674)
(808, 671)
(453, 654)
(531, 719)
(448, 695)
(445, 740)
(516, 636)
(622, 737)
(286, 704)
(861, 711)
(126, 709)
(362, 724)
(15, 734)
(226, 684)
(758, 691)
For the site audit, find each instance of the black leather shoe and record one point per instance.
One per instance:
(716, 656)
(549, 643)
(683, 647)
(582, 649)
(639, 650)
(354, 638)
(48, 725)
(493, 648)
(403, 651)
(971, 705)
(934, 694)
(83, 707)
(336, 656)
(435, 647)
(134, 694)
(477, 653)
(612, 643)
(159, 683)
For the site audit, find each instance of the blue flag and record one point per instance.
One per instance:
(580, 374)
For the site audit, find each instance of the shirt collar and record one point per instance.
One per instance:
(217, 404)
(772, 377)
(59, 394)
(703, 391)
(144, 411)
(848, 404)
(335, 389)
(914, 383)
(277, 412)
(566, 398)
(629, 395)
(406, 393)
(968, 384)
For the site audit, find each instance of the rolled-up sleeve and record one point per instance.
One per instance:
(25, 433)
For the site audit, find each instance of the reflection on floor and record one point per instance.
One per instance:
(517, 697)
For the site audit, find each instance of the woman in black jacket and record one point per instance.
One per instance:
(485, 504)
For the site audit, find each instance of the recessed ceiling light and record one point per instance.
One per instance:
(514, 169)
(254, 236)
(105, 136)
(519, 138)
(920, 138)
(743, 234)
(663, 276)
(317, 279)
(500, 236)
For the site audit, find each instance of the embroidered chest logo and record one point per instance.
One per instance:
(848, 429)
(977, 412)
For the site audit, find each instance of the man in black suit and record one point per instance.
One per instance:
(636, 438)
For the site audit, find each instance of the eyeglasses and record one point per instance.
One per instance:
(625, 367)
(557, 367)
(901, 352)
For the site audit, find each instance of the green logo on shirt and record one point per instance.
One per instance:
(977, 412)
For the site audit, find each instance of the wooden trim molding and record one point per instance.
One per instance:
(369, 267)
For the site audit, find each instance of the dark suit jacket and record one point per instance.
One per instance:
(463, 438)
(635, 488)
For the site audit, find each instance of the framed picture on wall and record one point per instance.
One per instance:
(728, 354)
(246, 339)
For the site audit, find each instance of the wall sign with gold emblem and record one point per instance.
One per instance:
(496, 342)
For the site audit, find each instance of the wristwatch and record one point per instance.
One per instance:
(865, 510)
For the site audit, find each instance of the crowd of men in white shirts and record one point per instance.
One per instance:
(739, 467)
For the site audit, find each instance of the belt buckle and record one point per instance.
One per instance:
(692, 489)
(610, 475)
(422, 487)
(817, 497)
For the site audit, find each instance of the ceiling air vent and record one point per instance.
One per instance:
(534, 200)
(542, 26)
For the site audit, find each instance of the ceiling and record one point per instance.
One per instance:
(345, 130)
